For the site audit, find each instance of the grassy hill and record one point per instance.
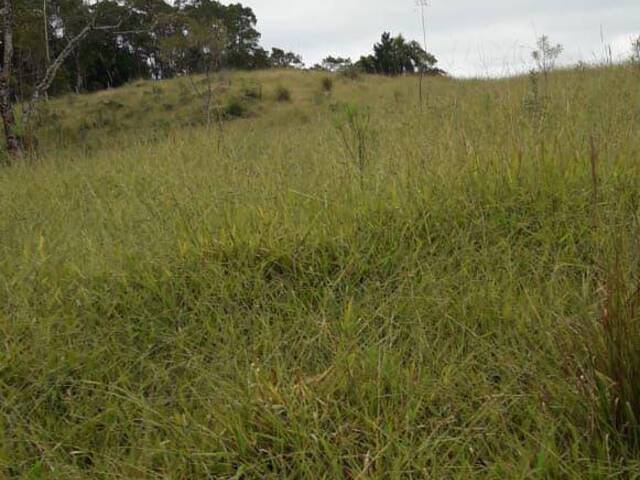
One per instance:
(343, 285)
(144, 108)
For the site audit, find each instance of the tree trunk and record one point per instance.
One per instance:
(44, 84)
(6, 108)
(45, 18)
(79, 76)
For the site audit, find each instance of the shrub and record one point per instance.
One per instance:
(327, 84)
(355, 132)
(235, 108)
(253, 92)
(351, 73)
(283, 94)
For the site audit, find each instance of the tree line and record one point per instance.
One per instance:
(150, 39)
(56, 46)
(391, 56)
(155, 39)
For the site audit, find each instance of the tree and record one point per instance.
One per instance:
(635, 50)
(45, 29)
(29, 40)
(336, 64)
(45, 82)
(396, 56)
(12, 140)
(367, 64)
(281, 59)
(243, 38)
(106, 58)
(109, 59)
(241, 46)
(384, 54)
(195, 46)
(546, 55)
(6, 107)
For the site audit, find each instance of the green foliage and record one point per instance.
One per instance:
(185, 37)
(253, 92)
(535, 102)
(336, 64)
(195, 45)
(235, 108)
(283, 94)
(395, 56)
(281, 59)
(354, 128)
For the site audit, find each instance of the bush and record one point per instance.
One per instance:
(354, 129)
(283, 94)
(327, 84)
(351, 73)
(235, 108)
(253, 92)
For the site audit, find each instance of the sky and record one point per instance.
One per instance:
(469, 37)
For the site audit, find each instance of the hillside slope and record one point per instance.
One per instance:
(339, 286)
(147, 108)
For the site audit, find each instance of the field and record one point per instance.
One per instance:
(341, 285)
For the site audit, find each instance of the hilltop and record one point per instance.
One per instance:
(342, 284)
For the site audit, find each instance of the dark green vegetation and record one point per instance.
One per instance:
(339, 286)
(395, 56)
(391, 56)
(153, 39)
(157, 39)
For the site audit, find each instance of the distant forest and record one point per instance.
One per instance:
(109, 43)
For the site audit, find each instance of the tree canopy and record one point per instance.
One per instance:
(154, 39)
(396, 56)
(158, 39)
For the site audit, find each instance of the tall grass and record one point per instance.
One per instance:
(170, 309)
(612, 343)
(617, 361)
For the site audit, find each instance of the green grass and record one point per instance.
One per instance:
(256, 302)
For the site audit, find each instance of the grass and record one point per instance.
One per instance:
(177, 305)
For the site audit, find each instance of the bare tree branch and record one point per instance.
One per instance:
(42, 87)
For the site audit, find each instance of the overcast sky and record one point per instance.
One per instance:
(469, 37)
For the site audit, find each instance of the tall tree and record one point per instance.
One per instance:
(243, 38)
(281, 59)
(41, 86)
(395, 56)
(336, 64)
(384, 55)
(6, 107)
